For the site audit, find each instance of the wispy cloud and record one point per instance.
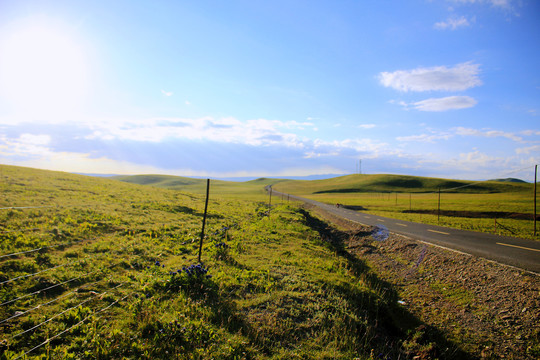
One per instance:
(366, 126)
(504, 4)
(439, 78)
(487, 133)
(224, 130)
(453, 23)
(528, 150)
(166, 93)
(425, 138)
(445, 103)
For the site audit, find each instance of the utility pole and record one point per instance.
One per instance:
(439, 206)
(535, 173)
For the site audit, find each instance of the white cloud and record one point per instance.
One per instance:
(453, 23)
(530, 132)
(487, 133)
(367, 126)
(225, 130)
(445, 103)
(504, 4)
(440, 78)
(426, 138)
(25, 145)
(529, 150)
(166, 93)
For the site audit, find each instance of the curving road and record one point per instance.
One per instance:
(521, 253)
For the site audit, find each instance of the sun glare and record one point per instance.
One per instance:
(43, 71)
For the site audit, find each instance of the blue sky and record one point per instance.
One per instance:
(444, 88)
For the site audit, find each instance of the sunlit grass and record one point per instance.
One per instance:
(279, 289)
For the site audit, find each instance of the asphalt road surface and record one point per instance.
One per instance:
(521, 253)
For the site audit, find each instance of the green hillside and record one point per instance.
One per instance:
(396, 183)
(253, 188)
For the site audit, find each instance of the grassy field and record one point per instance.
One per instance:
(227, 189)
(98, 268)
(504, 208)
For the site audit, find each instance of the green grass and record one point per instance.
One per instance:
(253, 189)
(106, 285)
(385, 183)
(406, 197)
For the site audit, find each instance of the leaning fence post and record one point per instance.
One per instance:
(270, 201)
(204, 217)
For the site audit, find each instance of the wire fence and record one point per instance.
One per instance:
(33, 281)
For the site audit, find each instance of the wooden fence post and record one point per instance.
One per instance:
(204, 217)
(270, 201)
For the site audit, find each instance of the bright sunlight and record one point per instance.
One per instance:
(43, 70)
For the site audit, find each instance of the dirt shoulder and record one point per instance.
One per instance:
(490, 310)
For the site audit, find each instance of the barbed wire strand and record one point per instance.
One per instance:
(46, 247)
(21, 313)
(53, 286)
(48, 269)
(34, 250)
(49, 302)
(26, 207)
(65, 311)
(43, 290)
(39, 272)
(68, 329)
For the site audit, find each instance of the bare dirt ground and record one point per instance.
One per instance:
(489, 310)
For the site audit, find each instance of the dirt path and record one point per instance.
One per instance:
(488, 309)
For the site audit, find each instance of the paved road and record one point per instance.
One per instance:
(522, 253)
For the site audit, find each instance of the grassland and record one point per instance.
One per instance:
(98, 268)
(504, 208)
(253, 189)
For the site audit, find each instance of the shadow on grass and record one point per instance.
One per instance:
(397, 330)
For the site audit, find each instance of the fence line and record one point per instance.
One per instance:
(63, 312)
(37, 307)
(42, 248)
(55, 308)
(49, 302)
(25, 207)
(68, 329)
(39, 272)
(19, 230)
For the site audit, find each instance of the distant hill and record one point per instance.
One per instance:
(181, 183)
(513, 180)
(397, 183)
(341, 184)
(164, 181)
